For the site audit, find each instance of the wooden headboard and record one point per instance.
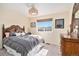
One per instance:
(12, 28)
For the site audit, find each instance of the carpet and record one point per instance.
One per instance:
(42, 52)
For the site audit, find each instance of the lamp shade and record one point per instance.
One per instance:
(33, 10)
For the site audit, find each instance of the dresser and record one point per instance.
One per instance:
(69, 46)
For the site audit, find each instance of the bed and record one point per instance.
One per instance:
(19, 43)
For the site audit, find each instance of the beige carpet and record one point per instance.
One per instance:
(53, 50)
(42, 52)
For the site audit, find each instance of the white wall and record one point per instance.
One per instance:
(11, 14)
(0, 36)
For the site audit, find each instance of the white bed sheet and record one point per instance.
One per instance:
(11, 51)
(33, 52)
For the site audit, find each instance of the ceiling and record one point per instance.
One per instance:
(50, 8)
(43, 8)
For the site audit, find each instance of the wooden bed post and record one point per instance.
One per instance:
(3, 31)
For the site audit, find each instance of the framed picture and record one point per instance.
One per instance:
(33, 24)
(59, 23)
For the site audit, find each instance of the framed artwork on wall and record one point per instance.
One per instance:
(33, 24)
(59, 23)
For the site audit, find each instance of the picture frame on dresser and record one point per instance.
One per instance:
(59, 23)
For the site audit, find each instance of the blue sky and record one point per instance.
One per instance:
(44, 24)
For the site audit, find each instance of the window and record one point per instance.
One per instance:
(44, 25)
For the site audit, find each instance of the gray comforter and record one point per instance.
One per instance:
(22, 44)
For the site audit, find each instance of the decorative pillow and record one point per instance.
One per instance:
(12, 34)
(16, 34)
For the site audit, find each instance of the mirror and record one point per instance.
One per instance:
(77, 14)
(75, 18)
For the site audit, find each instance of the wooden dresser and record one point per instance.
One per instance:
(69, 46)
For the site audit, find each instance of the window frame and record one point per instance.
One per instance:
(40, 20)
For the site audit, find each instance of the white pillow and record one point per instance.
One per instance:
(22, 33)
(18, 34)
(7, 34)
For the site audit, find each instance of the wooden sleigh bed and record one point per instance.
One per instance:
(21, 45)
